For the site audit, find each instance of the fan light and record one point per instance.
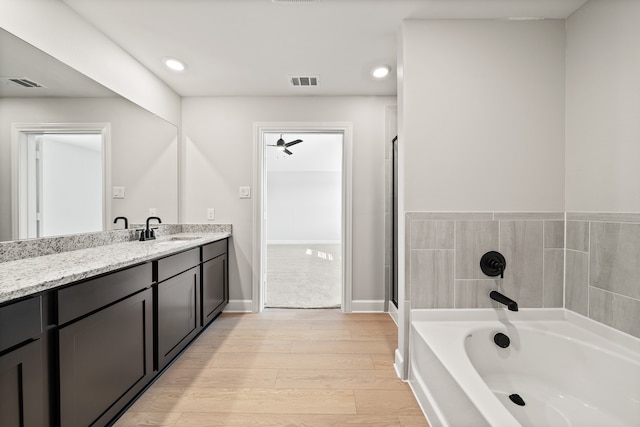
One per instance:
(381, 72)
(174, 64)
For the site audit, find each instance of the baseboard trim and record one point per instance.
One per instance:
(393, 312)
(357, 306)
(239, 306)
(367, 306)
(398, 365)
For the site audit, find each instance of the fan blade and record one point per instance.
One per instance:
(271, 145)
(288, 152)
(289, 144)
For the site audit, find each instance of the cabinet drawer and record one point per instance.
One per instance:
(20, 321)
(214, 249)
(85, 297)
(176, 264)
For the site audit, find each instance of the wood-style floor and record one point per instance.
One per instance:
(284, 368)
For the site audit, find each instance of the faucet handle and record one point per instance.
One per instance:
(142, 234)
(493, 264)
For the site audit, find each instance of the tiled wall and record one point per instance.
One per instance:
(444, 251)
(603, 268)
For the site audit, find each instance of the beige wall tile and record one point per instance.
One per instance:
(474, 293)
(554, 234)
(521, 243)
(530, 216)
(615, 310)
(577, 282)
(578, 235)
(431, 279)
(553, 278)
(432, 234)
(614, 255)
(474, 239)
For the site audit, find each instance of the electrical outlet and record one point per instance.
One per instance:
(118, 193)
(152, 212)
(245, 192)
(211, 214)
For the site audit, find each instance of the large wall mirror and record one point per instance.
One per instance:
(66, 142)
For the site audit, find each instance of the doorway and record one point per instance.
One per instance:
(303, 200)
(302, 204)
(59, 176)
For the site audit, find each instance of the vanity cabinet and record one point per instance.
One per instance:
(22, 391)
(77, 356)
(215, 289)
(105, 347)
(178, 303)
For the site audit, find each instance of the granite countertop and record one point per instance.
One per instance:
(32, 275)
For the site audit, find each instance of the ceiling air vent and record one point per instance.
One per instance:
(305, 81)
(20, 81)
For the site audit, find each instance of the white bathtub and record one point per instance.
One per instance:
(569, 370)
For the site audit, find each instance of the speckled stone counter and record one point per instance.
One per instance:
(28, 276)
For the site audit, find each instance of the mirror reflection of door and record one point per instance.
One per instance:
(60, 184)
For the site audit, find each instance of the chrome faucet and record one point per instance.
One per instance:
(148, 233)
(497, 296)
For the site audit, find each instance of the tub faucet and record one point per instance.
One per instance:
(148, 233)
(126, 221)
(497, 296)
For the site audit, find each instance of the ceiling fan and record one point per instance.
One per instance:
(283, 146)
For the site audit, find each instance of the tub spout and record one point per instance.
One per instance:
(497, 296)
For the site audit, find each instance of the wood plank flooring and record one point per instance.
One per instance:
(312, 368)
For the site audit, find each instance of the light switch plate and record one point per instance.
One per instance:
(152, 212)
(211, 214)
(118, 193)
(245, 192)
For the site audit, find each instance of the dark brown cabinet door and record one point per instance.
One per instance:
(105, 360)
(215, 290)
(178, 309)
(21, 390)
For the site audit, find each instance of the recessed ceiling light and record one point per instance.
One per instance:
(174, 64)
(381, 71)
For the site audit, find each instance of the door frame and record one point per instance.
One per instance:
(19, 134)
(259, 228)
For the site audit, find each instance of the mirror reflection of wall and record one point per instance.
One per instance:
(144, 148)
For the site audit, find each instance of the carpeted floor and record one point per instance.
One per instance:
(304, 276)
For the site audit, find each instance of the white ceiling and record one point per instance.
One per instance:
(20, 59)
(251, 47)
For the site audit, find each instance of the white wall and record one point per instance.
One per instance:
(143, 152)
(603, 108)
(219, 136)
(304, 207)
(54, 28)
(483, 115)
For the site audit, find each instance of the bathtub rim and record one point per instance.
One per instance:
(609, 333)
(473, 385)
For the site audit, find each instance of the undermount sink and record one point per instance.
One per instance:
(180, 238)
(177, 239)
